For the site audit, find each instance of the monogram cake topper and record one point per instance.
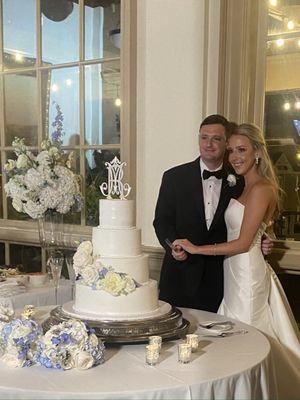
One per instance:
(114, 186)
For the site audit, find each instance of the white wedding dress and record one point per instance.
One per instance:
(254, 295)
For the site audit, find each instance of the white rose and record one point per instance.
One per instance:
(53, 152)
(113, 283)
(90, 275)
(231, 179)
(22, 161)
(45, 144)
(11, 164)
(78, 331)
(83, 360)
(129, 284)
(86, 247)
(20, 331)
(94, 341)
(12, 360)
(18, 204)
(82, 259)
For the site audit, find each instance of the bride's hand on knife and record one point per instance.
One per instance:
(187, 246)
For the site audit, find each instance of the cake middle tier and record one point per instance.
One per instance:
(136, 267)
(116, 242)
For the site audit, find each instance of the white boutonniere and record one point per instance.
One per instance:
(231, 179)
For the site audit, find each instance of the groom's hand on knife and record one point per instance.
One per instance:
(177, 251)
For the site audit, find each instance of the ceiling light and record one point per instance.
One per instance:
(298, 42)
(297, 105)
(298, 156)
(286, 106)
(279, 42)
(291, 25)
(273, 3)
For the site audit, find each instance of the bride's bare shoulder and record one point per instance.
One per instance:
(262, 188)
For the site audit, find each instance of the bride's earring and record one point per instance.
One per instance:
(256, 159)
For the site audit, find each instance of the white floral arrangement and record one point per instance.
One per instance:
(68, 345)
(91, 272)
(18, 342)
(231, 179)
(42, 182)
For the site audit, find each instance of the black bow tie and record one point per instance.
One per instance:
(218, 174)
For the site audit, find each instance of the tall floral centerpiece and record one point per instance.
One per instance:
(43, 186)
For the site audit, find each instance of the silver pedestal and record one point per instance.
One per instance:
(169, 326)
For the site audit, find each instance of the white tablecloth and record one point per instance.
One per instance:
(44, 296)
(236, 367)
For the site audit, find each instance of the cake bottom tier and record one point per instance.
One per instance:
(141, 303)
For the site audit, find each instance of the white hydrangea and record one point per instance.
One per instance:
(43, 158)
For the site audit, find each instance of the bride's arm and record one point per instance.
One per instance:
(258, 202)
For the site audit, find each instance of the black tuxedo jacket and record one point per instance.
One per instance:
(198, 281)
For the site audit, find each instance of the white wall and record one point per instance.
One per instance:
(178, 50)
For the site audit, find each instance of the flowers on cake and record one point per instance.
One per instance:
(43, 182)
(18, 339)
(91, 272)
(70, 344)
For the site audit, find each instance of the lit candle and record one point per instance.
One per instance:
(156, 340)
(184, 353)
(193, 341)
(152, 354)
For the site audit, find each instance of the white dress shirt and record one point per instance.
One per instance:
(211, 193)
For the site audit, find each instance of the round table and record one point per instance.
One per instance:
(235, 367)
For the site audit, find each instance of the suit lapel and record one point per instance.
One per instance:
(198, 194)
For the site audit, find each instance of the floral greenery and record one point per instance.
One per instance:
(69, 344)
(91, 272)
(43, 182)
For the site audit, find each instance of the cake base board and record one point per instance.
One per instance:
(68, 308)
(169, 326)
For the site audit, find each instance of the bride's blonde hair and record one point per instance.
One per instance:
(265, 167)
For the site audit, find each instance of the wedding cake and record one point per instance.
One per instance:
(112, 272)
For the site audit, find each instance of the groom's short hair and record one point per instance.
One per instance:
(218, 119)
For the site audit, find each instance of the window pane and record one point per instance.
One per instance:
(95, 175)
(60, 94)
(21, 105)
(28, 256)
(19, 33)
(1, 184)
(102, 29)
(60, 31)
(2, 254)
(102, 103)
(282, 112)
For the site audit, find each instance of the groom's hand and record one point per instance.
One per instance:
(179, 254)
(266, 245)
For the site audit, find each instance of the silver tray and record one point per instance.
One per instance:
(169, 326)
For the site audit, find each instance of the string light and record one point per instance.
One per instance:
(273, 3)
(297, 105)
(286, 106)
(291, 25)
(18, 57)
(69, 82)
(279, 42)
(54, 87)
(118, 102)
(298, 156)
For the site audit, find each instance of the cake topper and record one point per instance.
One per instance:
(115, 176)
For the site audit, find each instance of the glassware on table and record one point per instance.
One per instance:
(156, 340)
(193, 340)
(184, 353)
(56, 264)
(71, 271)
(152, 354)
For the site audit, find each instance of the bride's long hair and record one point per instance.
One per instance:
(265, 167)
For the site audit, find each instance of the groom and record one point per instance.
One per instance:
(191, 204)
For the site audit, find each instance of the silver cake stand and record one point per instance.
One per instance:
(169, 326)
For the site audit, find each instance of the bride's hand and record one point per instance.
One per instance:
(186, 245)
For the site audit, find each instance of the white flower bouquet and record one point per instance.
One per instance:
(18, 339)
(91, 272)
(43, 182)
(70, 344)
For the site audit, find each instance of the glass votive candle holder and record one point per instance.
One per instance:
(152, 354)
(193, 340)
(184, 353)
(156, 340)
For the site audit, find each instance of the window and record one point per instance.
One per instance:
(60, 56)
(282, 109)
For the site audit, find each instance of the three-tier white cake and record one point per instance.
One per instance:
(112, 273)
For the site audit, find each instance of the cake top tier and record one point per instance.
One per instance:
(116, 214)
(115, 186)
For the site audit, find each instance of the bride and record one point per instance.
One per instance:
(252, 291)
